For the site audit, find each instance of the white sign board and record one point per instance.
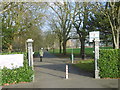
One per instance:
(11, 61)
(93, 36)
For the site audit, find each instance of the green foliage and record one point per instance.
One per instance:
(86, 65)
(22, 74)
(109, 63)
(19, 23)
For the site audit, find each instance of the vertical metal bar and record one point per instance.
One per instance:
(72, 56)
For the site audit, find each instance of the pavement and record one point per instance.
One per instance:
(51, 74)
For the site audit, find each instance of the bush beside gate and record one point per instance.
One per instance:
(109, 63)
(22, 74)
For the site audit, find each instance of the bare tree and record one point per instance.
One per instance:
(79, 20)
(57, 29)
(63, 12)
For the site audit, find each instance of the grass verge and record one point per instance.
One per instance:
(86, 65)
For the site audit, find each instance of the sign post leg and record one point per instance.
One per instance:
(96, 51)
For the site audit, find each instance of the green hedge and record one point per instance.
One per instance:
(109, 63)
(22, 74)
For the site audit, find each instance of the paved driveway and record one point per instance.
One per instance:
(51, 74)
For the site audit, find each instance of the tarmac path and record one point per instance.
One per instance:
(51, 74)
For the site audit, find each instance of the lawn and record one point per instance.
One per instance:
(76, 51)
(86, 65)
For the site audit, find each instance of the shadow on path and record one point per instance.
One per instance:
(61, 67)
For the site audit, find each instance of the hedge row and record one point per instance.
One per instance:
(22, 74)
(109, 63)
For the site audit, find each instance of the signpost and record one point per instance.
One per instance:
(94, 37)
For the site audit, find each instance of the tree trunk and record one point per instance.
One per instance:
(10, 48)
(60, 47)
(53, 50)
(118, 39)
(82, 50)
(106, 43)
(64, 47)
(113, 45)
(115, 33)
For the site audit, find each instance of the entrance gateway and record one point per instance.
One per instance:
(94, 37)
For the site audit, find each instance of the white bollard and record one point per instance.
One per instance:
(66, 71)
(72, 57)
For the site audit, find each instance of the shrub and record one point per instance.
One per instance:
(109, 63)
(22, 74)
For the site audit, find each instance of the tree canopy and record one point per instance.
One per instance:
(23, 20)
